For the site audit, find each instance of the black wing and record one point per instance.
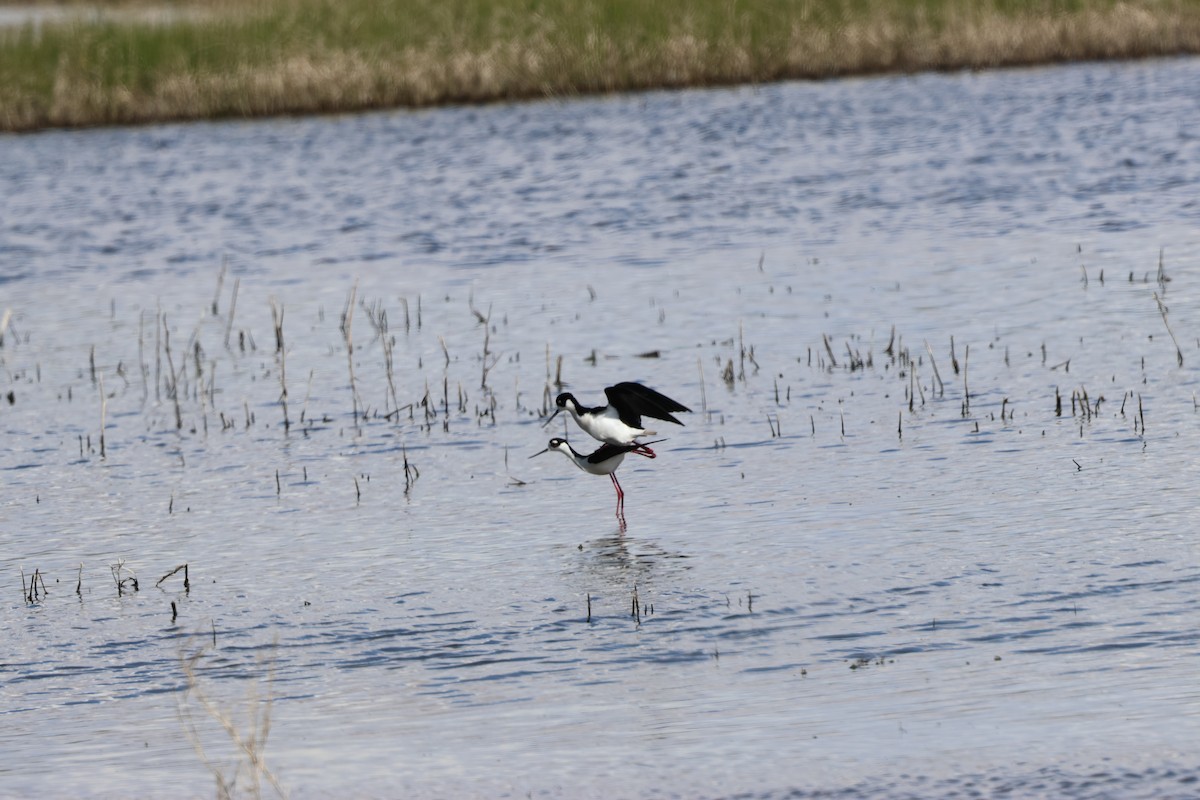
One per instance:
(633, 401)
(606, 451)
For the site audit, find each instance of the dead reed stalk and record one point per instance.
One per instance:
(1162, 309)
(103, 414)
(173, 386)
(281, 352)
(348, 336)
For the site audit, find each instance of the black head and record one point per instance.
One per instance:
(562, 400)
(555, 444)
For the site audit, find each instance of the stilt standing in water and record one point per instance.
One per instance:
(604, 461)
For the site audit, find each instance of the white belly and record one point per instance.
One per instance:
(608, 427)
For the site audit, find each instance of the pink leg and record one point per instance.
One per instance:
(620, 495)
(643, 450)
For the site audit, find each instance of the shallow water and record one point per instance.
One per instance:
(858, 569)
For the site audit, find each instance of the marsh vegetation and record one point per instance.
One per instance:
(131, 63)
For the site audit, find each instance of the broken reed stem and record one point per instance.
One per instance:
(741, 353)
(411, 473)
(145, 370)
(348, 335)
(1162, 309)
(186, 582)
(103, 413)
(966, 388)
(703, 397)
(216, 303)
(829, 350)
(32, 593)
(281, 351)
(158, 329)
(173, 387)
(389, 343)
(116, 570)
(237, 282)
(936, 374)
(487, 338)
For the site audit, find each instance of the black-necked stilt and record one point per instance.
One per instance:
(620, 422)
(604, 461)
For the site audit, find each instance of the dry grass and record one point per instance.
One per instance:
(312, 56)
(243, 772)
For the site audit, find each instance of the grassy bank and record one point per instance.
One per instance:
(223, 58)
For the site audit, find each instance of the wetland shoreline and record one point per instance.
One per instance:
(127, 63)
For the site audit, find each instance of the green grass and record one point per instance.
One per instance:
(302, 56)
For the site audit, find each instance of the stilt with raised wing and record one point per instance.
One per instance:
(620, 422)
